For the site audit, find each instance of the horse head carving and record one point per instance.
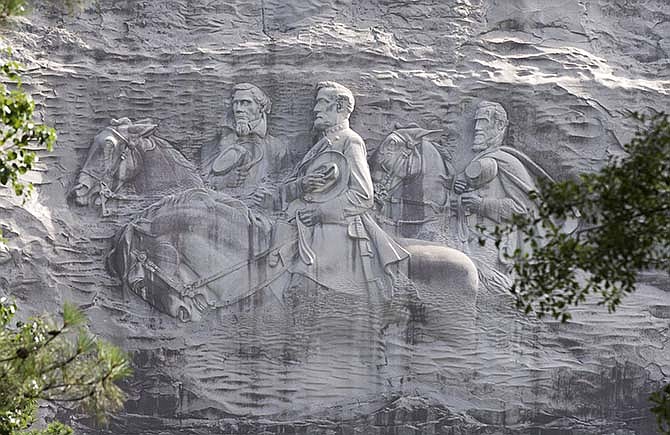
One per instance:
(409, 176)
(126, 158)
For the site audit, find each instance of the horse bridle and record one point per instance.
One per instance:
(387, 183)
(104, 190)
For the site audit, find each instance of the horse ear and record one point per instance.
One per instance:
(424, 133)
(399, 126)
(144, 121)
(142, 130)
(121, 121)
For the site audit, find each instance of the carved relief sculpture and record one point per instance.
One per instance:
(247, 158)
(313, 280)
(411, 181)
(495, 184)
(128, 161)
(201, 249)
(226, 230)
(331, 196)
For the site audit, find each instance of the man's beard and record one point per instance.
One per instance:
(243, 127)
(320, 125)
(323, 123)
(481, 142)
(486, 141)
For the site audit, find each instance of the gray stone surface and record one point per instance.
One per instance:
(437, 357)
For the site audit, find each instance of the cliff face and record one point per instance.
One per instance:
(566, 72)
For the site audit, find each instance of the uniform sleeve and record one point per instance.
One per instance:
(288, 191)
(358, 197)
(500, 210)
(291, 188)
(517, 183)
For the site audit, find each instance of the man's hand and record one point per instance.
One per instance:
(312, 182)
(471, 202)
(310, 217)
(261, 198)
(241, 174)
(460, 186)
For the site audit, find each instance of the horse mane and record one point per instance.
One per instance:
(168, 148)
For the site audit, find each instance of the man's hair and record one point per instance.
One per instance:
(259, 96)
(499, 112)
(342, 93)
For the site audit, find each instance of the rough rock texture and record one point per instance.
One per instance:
(567, 72)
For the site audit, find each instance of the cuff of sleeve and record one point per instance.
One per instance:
(489, 209)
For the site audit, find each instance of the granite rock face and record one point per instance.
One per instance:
(539, 89)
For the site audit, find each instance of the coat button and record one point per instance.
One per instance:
(308, 197)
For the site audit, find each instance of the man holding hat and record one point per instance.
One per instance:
(331, 197)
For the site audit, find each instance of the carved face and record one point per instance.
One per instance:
(327, 112)
(488, 130)
(245, 107)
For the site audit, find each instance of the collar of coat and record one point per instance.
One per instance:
(336, 128)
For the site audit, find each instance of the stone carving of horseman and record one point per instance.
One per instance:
(331, 196)
(494, 186)
(246, 158)
(202, 249)
(410, 179)
(128, 161)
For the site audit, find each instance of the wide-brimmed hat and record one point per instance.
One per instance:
(336, 168)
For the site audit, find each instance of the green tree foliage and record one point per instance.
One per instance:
(625, 228)
(44, 359)
(624, 210)
(10, 8)
(661, 401)
(20, 135)
(56, 361)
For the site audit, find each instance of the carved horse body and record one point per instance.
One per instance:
(196, 249)
(200, 250)
(127, 161)
(410, 177)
